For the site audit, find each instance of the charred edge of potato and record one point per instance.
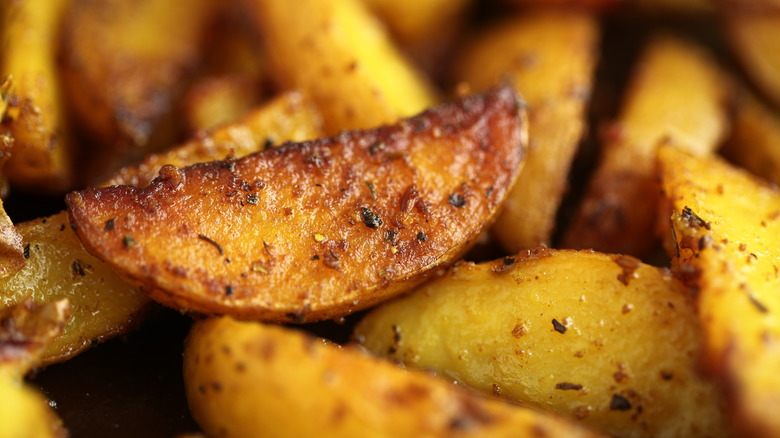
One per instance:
(27, 328)
(336, 281)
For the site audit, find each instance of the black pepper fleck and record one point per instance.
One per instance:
(370, 219)
(228, 290)
(376, 148)
(27, 251)
(560, 328)
(251, 198)
(456, 200)
(566, 386)
(422, 237)
(619, 403)
(109, 225)
(129, 241)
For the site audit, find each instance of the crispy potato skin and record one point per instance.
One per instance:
(339, 54)
(727, 224)
(313, 230)
(548, 56)
(288, 117)
(124, 66)
(600, 338)
(246, 379)
(42, 149)
(677, 94)
(59, 267)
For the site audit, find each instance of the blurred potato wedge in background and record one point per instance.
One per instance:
(315, 230)
(603, 339)
(25, 330)
(726, 230)
(58, 267)
(290, 116)
(342, 56)
(755, 36)
(426, 29)
(125, 65)
(217, 100)
(549, 57)
(677, 92)
(754, 140)
(314, 388)
(43, 150)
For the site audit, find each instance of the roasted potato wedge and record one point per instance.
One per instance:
(313, 230)
(755, 36)
(125, 64)
(548, 56)
(25, 330)
(600, 338)
(340, 54)
(245, 379)
(727, 228)
(217, 100)
(58, 267)
(754, 139)
(42, 149)
(289, 117)
(11, 249)
(677, 92)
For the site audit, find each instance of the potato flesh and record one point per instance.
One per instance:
(245, 379)
(549, 57)
(726, 225)
(58, 267)
(313, 230)
(11, 251)
(288, 117)
(599, 338)
(340, 55)
(678, 94)
(42, 150)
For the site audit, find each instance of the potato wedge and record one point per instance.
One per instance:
(313, 230)
(727, 228)
(600, 338)
(288, 117)
(42, 149)
(25, 330)
(217, 100)
(425, 29)
(340, 54)
(125, 63)
(754, 139)
(58, 267)
(549, 57)
(245, 379)
(11, 250)
(677, 93)
(754, 37)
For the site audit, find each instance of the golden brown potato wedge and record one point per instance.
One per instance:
(313, 230)
(754, 139)
(25, 330)
(727, 228)
(125, 63)
(755, 37)
(58, 267)
(42, 149)
(600, 338)
(216, 100)
(548, 56)
(425, 29)
(245, 379)
(678, 93)
(340, 54)
(11, 250)
(289, 117)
